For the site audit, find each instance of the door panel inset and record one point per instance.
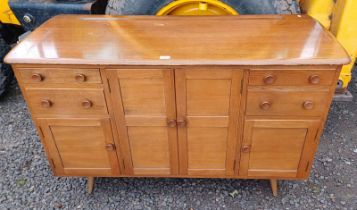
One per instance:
(204, 95)
(143, 96)
(288, 147)
(207, 148)
(81, 146)
(208, 104)
(145, 104)
(275, 147)
(149, 148)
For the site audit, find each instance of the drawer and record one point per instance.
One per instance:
(292, 77)
(59, 75)
(286, 102)
(66, 102)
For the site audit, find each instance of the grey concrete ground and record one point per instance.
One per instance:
(26, 181)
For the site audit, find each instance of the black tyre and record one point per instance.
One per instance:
(150, 7)
(6, 73)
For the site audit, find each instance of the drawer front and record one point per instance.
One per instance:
(59, 76)
(285, 102)
(66, 102)
(292, 78)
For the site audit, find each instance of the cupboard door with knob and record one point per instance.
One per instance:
(208, 104)
(80, 147)
(278, 148)
(145, 113)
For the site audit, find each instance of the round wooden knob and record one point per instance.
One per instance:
(171, 123)
(110, 147)
(245, 148)
(314, 79)
(181, 123)
(87, 104)
(265, 105)
(37, 77)
(269, 79)
(80, 77)
(46, 103)
(308, 105)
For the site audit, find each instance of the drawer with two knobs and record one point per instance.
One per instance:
(67, 92)
(310, 78)
(287, 101)
(289, 92)
(72, 102)
(60, 76)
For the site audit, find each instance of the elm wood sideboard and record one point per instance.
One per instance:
(226, 97)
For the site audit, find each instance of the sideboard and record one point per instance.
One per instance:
(208, 97)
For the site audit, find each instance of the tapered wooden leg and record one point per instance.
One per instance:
(274, 186)
(90, 184)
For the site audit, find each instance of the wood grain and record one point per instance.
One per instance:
(105, 104)
(286, 101)
(292, 78)
(274, 147)
(60, 75)
(77, 146)
(67, 102)
(210, 107)
(129, 40)
(147, 101)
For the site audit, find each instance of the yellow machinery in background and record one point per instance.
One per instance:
(340, 17)
(197, 7)
(6, 15)
(8, 22)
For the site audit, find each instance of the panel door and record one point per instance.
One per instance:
(145, 113)
(278, 148)
(208, 104)
(80, 147)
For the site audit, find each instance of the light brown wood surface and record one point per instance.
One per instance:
(90, 184)
(147, 105)
(274, 147)
(234, 105)
(286, 101)
(60, 76)
(183, 122)
(297, 77)
(67, 101)
(80, 146)
(274, 186)
(170, 40)
(208, 104)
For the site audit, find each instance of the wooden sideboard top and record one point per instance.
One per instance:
(169, 40)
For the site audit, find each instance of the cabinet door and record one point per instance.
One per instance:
(80, 147)
(208, 104)
(278, 148)
(144, 106)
